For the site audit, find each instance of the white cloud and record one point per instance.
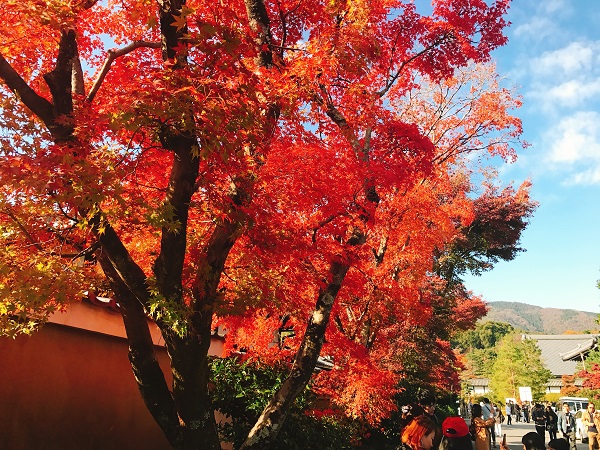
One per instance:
(575, 58)
(570, 93)
(586, 177)
(576, 138)
(567, 77)
(541, 21)
(574, 147)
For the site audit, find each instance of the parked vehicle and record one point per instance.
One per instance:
(580, 431)
(577, 405)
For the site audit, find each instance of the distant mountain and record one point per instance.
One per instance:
(535, 319)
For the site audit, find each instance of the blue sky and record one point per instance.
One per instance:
(553, 58)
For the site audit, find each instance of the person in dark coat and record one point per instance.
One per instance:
(551, 423)
(538, 415)
(428, 402)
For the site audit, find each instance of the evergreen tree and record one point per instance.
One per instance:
(479, 345)
(518, 364)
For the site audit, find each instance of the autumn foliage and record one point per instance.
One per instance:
(591, 379)
(258, 166)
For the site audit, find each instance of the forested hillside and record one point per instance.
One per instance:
(542, 320)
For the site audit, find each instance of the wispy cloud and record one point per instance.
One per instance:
(541, 21)
(567, 61)
(586, 177)
(567, 77)
(537, 28)
(570, 94)
(553, 6)
(564, 85)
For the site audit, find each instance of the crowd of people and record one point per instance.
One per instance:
(421, 428)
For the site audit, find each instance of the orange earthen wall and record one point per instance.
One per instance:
(66, 388)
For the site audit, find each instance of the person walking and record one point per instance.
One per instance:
(551, 422)
(489, 412)
(499, 419)
(590, 419)
(538, 415)
(566, 425)
(526, 411)
(482, 428)
(509, 411)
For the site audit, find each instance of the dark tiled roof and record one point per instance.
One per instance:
(554, 347)
(479, 382)
(555, 382)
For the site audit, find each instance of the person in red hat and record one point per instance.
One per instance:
(455, 434)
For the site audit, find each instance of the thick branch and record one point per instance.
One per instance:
(148, 374)
(110, 57)
(209, 274)
(184, 172)
(182, 140)
(77, 76)
(36, 103)
(260, 25)
(59, 82)
(125, 268)
(171, 36)
(226, 233)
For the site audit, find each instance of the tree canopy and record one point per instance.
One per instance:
(261, 166)
(518, 363)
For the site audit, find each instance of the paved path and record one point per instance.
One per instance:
(515, 432)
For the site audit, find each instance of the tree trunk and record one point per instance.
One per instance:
(265, 431)
(190, 390)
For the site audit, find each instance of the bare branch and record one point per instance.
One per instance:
(111, 56)
(24, 230)
(404, 64)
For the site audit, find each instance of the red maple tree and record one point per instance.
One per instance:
(591, 381)
(235, 163)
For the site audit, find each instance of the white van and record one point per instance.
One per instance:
(575, 403)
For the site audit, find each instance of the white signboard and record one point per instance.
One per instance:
(525, 394)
